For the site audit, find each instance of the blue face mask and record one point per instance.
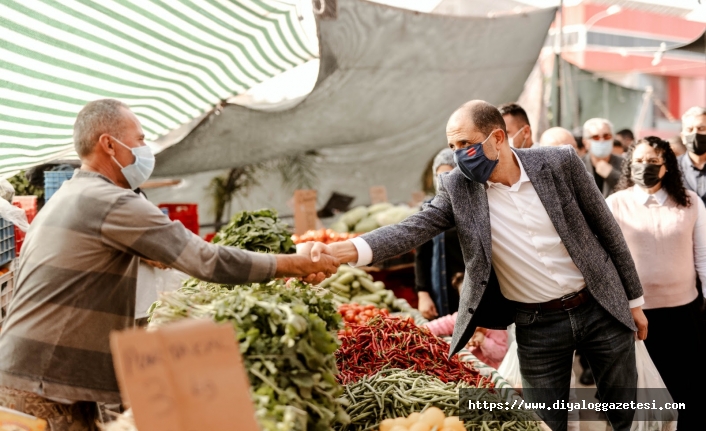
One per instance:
(474, 164)
(601, 149)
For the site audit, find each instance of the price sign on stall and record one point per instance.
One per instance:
(417, 198)
(188, 376)
(304, 211)
(378, 195)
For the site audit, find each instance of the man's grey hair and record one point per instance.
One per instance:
(694, 111)
(593, 124)
(96, 118)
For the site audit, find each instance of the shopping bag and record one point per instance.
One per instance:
(651, 388)
(509, 368)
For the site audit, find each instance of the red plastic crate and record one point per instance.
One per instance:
(27, 203)
(19, 235)
(187, 214)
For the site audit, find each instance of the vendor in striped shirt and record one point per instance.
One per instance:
(77, 276)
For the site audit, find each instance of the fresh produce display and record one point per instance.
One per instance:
(400, 400)
(398, 376)
(355, 285)
(365, 219)
(327, 236)
(354, 313)
(432, 418)
(257, 231)
(399, 343)
(22, 186)
(287, 336)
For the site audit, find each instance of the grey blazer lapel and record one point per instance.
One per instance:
(541, 177)
(480, 213)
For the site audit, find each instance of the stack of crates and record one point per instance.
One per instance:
(7, 288)
(29, 204)
(7, 242)
(187, 214)
(53, 180)
(7, 256)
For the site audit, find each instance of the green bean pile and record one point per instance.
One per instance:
(394, 393)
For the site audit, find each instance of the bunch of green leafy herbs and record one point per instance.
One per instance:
(23, 187)
(259, 231)
(287, 334)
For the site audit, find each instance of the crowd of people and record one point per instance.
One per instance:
(655, 190)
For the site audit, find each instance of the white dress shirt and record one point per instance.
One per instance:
(528, 256)
(659, 198)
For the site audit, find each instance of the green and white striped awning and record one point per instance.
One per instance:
(170, 60)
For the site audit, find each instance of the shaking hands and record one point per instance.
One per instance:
(315, 261)
(344, 251)
(304, 267)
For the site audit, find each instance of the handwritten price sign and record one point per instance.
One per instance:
(188, 376)
(304, 211)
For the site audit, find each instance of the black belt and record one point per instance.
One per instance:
(566, 303)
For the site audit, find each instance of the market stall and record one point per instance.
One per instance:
(346, 355)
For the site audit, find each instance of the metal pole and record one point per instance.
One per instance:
(560, 74)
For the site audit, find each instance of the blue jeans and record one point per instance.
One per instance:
(546, 342)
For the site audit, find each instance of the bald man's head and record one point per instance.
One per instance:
(557, 136)
(478, 122)
(480, 115)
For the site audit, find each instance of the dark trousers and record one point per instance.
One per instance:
(545, 345)
(674, 342)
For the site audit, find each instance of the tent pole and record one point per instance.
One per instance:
(560, 74)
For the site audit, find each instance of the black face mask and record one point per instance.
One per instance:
(695, 143)
(645, 174)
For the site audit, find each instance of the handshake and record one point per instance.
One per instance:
(316, 261)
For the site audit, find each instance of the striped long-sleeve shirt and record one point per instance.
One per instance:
(76, 284)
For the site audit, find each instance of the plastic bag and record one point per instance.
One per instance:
(7, 192)
(509, 369)
(649, 378)
(151, 282)
(14, 215)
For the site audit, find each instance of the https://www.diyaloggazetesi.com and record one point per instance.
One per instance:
(571, 406)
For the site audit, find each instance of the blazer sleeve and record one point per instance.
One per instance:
(435, 217)
(595, 209)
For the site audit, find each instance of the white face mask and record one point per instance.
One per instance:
(601, 148)
(512, 139)
(140, 170)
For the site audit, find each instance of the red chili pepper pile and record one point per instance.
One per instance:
(396, 343)
(354, 313)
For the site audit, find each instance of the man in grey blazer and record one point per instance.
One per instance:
(541, 249)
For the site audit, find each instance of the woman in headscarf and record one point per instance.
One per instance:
(439, 261)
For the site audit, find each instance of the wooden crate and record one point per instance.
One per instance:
(7, 288)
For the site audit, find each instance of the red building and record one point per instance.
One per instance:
(634, 48)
